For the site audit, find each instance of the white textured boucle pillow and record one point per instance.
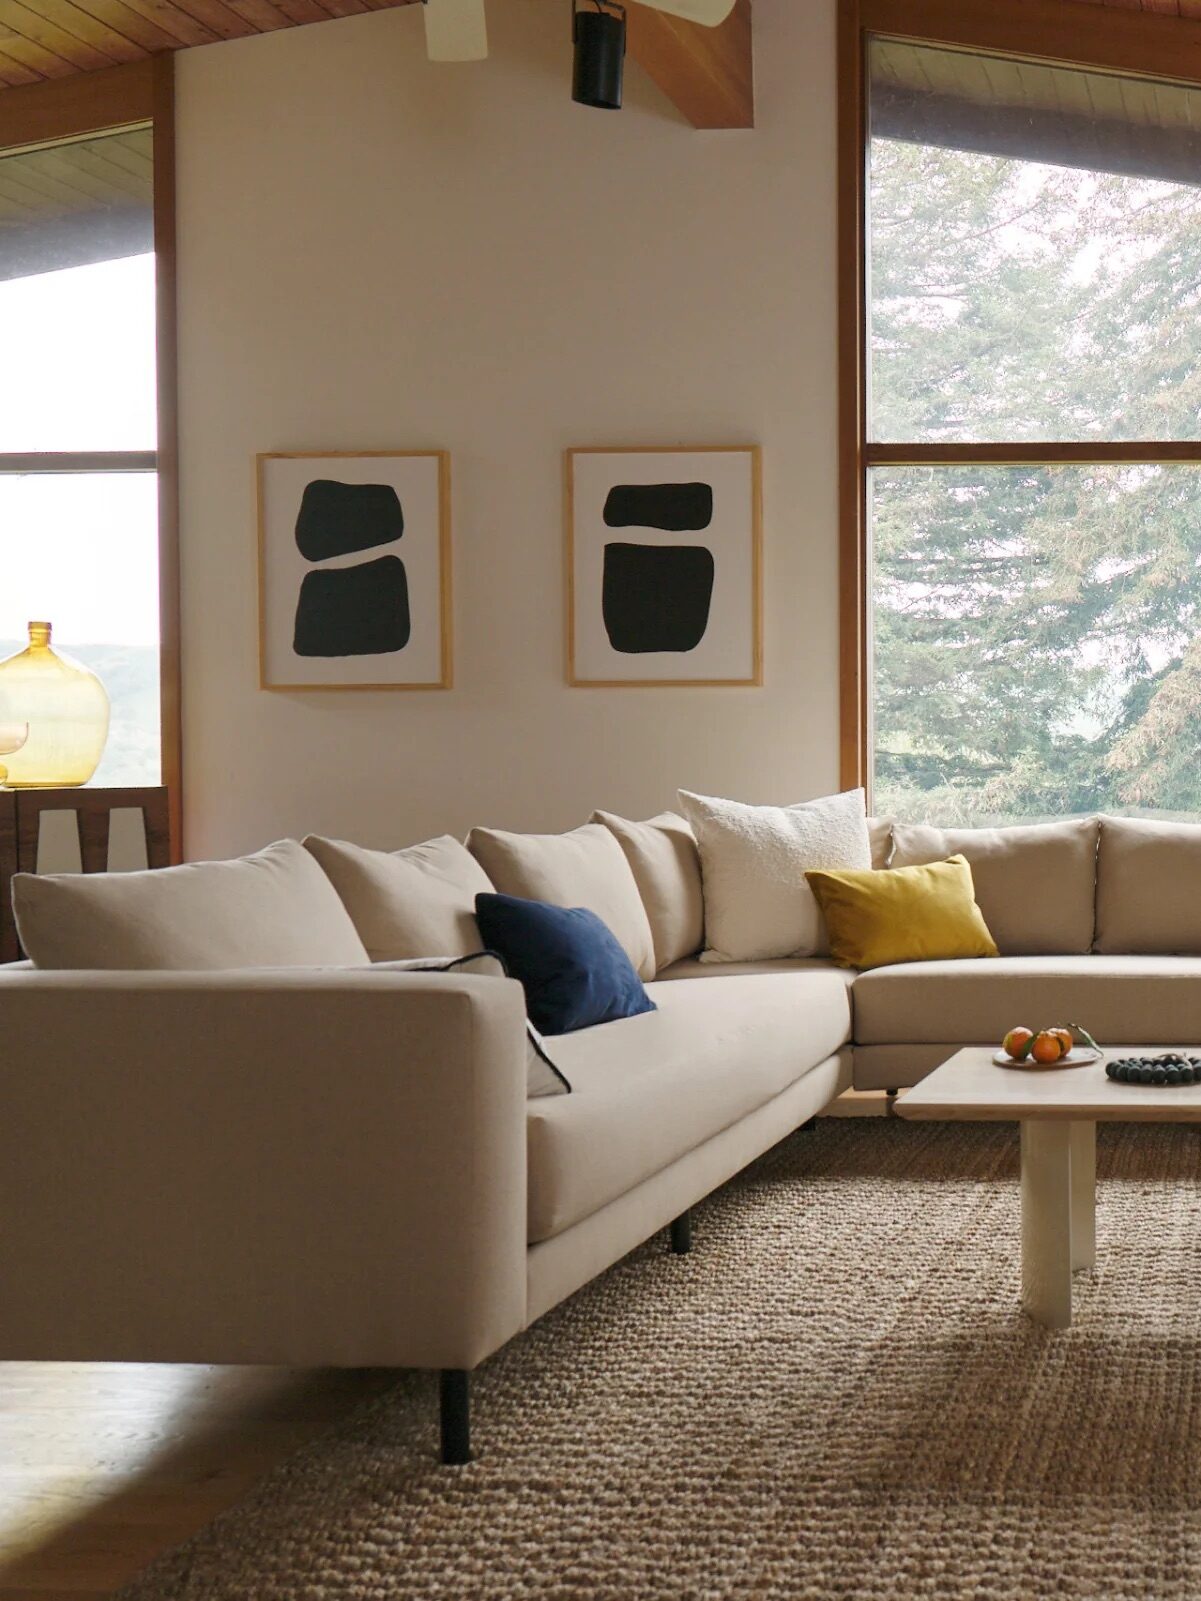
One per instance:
(754, 859)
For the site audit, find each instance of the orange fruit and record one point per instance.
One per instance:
(1064, 1034)
(1017, 1043)
(1047, 1048)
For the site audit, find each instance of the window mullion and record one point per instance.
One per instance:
(79, 461)
(1024, 453)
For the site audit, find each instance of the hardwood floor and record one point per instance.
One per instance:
(102, 1467)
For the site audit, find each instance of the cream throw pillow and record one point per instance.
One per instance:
(273, 909)
(584, 868)
(1035, 883)
(666, 866)
(758, 906)
(411, 903)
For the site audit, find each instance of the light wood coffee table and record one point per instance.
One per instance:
(1058, 1109)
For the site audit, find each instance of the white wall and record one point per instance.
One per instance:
(376, 252)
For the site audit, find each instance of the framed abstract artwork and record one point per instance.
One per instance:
(664, 566)
(354, 569)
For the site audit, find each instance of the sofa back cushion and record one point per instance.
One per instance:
(586, 867)
(1035, 884)
(754, 859)
(879, 833)
(410, 903)
(1148, 887)
(273, 909)
(666, 866)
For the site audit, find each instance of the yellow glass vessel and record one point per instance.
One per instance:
(66, 707)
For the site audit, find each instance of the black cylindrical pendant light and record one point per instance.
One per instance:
(600, 49)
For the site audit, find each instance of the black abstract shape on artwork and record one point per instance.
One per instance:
(338, 519)
(676, 508)
(656, 597)
(354, 611)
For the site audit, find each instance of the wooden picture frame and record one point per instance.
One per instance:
(713, 597)
(420, 544)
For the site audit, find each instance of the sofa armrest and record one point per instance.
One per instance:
(304, 1167)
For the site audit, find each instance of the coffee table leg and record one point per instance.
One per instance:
(1084, 1194)
(1047, 1221)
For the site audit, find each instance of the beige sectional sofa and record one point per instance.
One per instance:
(316, 1164)
(1098, 921)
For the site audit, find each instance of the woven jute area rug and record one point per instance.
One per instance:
(834, 1396)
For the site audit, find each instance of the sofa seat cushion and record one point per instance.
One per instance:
(1121, 1000)
(693, 967)
(648, 1089)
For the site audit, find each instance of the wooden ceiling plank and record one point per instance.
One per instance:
(19, 195)
(33, 57)
(298, 12)
(67, 189)
(262, 15)
(131, 154)
(707, 73)
(30, 24)
(226, 24)
(13, 74)
(19, 186)
(13, 210)
(81, 24)
(114, 179)
(182, 28)
(345, 8)
(48, 189)
(130, 24)
(71, 166)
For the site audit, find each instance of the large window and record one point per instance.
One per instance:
(86, 525)
(1028, 505)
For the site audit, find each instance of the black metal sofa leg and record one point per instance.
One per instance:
(681, 1234)
(455, 1402)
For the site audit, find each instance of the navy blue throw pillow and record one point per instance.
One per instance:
(572, 969)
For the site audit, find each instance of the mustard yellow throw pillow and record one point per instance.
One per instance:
(902, 914)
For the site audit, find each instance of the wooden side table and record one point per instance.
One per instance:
(21, 812)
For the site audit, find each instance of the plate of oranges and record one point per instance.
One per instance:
(1070, 1046)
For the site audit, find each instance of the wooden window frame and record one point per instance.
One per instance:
(1064, 33)
(95, 103)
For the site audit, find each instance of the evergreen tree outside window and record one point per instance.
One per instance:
(1032, 476)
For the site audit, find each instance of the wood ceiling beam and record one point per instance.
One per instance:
(71, 107)
(707, 73)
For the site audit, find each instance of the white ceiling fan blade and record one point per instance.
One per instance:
(708, 12)
(455, 30)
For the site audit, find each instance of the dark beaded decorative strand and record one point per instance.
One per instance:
(1171, 1068)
